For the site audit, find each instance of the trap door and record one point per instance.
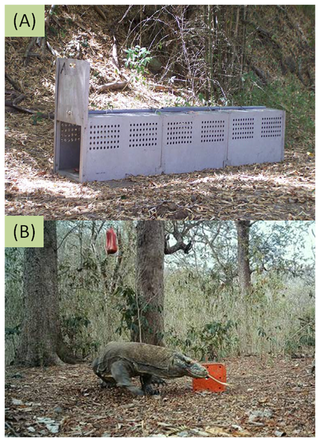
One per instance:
(71, 116)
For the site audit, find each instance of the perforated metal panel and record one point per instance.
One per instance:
(271, 127)
(194, 141)
(121, 145)
(213, 131)
(147, 143)
(104, 136)
(242, 128)
(70, 133)
(179, 132)
(70, 137)
(256, 136)
(143, 135)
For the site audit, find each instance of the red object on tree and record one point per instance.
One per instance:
(111, 242)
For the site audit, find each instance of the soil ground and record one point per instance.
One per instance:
(278, 191)
(269, 397)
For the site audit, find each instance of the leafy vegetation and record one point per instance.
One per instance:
(133, 310)
(204, 313)
(289, 95)
(137, 58)
(211, 342)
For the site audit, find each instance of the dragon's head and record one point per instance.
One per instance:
(184, 366)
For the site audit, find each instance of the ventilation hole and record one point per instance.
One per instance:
(212, 131)
(70, 133)
(271, 127)
(143, 134)
(242, 128)
(179, 132)
(104, 136)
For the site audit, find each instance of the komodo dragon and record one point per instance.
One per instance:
(120, 361)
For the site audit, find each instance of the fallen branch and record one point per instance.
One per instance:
(41, 41)
(260, 74)
(13, 83)
(53, 51)
(100, 12)
(115, 86)
(81, 27)
(165, 88)
(115, 52)
(29, 47)
(18, 99)
(15, 98)
(48, 17)
(11, 429)
(34, 54)
(49, 115)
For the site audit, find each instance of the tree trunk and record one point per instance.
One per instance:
(244, 272)
(244, 275)
(41, 339)
(149, 282)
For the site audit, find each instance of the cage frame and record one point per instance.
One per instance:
(102, 145)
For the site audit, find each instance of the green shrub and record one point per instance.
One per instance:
(210, 342)
(137, 58)
(304, 337)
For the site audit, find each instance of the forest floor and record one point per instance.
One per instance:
(269, 397)
(283, 190)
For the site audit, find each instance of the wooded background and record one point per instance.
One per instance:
(211, 289)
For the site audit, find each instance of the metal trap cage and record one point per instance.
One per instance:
(112, 144)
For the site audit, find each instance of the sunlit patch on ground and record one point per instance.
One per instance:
(266, 191)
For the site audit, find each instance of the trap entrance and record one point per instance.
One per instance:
(112, 144)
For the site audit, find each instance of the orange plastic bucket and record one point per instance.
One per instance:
(216, 370)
